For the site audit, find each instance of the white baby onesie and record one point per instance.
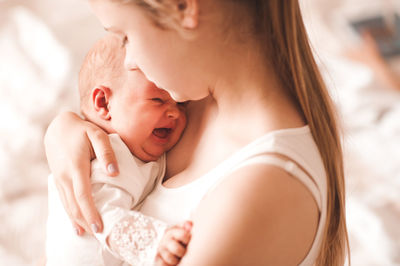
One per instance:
(117, 200)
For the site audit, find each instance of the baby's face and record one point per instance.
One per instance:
(148, 120)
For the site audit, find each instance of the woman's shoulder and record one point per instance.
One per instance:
(268, 200)
(257, 183)
(259, 206)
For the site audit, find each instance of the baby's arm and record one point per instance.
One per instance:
(128, 235)
(136, 238)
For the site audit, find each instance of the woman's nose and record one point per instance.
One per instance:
(129, 62)
(130, 65)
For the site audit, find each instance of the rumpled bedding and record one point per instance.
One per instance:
(42, 43)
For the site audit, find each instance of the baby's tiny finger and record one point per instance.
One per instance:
(187, 225)
(159, 261)
(168, 257)
(181, 235)
(176, 249)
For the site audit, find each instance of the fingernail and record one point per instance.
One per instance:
(95, 228)
(112, 169)
(77, 231)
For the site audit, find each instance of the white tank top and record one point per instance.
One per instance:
(173, 205)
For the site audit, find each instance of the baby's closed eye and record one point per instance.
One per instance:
(159, 100)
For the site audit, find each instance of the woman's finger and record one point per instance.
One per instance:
(70, 165)
(103, 150)
(72, 208)
(84, 199)
(76, 217)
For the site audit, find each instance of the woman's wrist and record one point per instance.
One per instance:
(58, 125)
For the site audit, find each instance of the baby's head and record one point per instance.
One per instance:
(146, 118)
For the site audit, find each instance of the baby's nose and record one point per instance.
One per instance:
(173, 111)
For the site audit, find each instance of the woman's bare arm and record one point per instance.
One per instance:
(70, 144)
(259, 216)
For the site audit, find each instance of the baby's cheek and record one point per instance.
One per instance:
(183, 123)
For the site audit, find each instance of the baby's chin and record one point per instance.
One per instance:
(145, 155)
(150, 155)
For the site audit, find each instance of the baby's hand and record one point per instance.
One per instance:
(173, 245)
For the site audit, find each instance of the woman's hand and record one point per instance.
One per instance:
(71, 143)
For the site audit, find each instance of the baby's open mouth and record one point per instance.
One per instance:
(162, 132)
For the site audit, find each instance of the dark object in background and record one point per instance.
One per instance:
(387, 37)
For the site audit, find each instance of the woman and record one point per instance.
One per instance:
(260, 163)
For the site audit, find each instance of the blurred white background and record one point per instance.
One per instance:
(42, 43)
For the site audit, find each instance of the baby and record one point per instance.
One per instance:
(143, 122)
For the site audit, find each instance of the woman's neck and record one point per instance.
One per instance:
(250, 101)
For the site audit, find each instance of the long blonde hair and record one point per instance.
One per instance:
(279, 26)
(291, 53)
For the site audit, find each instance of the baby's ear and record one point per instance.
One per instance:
(100, 100)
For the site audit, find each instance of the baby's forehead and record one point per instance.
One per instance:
(154, 91)
(135, 83)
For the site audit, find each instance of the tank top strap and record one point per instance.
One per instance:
(286, 164)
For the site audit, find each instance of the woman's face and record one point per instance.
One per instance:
(164, 56)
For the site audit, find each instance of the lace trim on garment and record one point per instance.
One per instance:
(135, 238)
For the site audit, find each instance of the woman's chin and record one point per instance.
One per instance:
(177, 97)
